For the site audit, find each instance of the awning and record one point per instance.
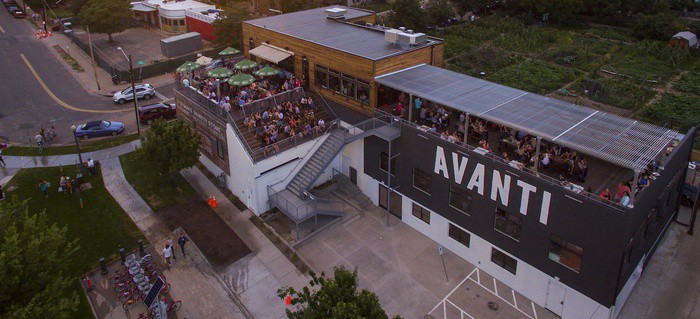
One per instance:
(142, 8)
(271, 53)
(202, 60)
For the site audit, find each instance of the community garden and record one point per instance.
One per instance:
(597, 66)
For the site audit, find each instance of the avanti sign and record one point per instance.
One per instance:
(500, 183)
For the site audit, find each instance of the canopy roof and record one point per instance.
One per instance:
(271, 53)
(621, 141)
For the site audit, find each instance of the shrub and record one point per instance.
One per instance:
(679, 112)
(616, 92)
(689, 82)
(535, 76)
(482, 59)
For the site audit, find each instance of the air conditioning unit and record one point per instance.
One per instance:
(412, 38)
(336, 13)
(392, 35)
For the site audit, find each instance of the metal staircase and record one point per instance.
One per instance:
(318, 163)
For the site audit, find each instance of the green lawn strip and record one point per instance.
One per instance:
(535, 76)
(69, 59)
(101, 227)
(154, 187)
(85, 146)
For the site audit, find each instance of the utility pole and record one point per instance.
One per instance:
(92, 55)
(45, 23)
(133, 91)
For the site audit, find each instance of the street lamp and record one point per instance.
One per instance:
(80, 157)
(133, 89)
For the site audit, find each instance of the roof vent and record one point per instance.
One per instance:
(336, 13)
(402, 29)
(409, 31)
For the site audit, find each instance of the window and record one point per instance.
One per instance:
(348, 87)
(500, 258)
(565, 253)
(363, 92)
(344, 84)
(182, 23)
(334, 80)
(422, 180)
(421, 213)
(162, 20)
(384, 163)
(460, 199)
(251, 43)
(459, 235)
(507, 223)
(321, 77)
(220, 149)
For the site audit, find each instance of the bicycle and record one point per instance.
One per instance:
(119, 277)
(131, 302)
(129, 294)
(170, 306)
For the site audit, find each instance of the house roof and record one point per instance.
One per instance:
(314, 26)
(618, 140)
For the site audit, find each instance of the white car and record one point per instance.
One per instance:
(143, 91)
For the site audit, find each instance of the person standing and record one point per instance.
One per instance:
(39, 141)
(91, 166)
(2, 161)
(167, 253)
(169, 242)
(182, 241)
(44, 186)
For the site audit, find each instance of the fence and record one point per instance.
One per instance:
(143, 72)
(264, 104)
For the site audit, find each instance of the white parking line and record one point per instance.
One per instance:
(2, 30)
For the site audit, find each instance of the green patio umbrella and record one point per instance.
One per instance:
(241, 79)
(245, 64)
(187, 66)
(267, 71)
(220, 73)
(229, 51)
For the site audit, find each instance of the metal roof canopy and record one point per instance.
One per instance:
(271, 53)
(618, 140)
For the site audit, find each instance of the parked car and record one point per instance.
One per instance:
(16, 12)
(143, 91)
(149, 113)
(8, 3)
(99, 128)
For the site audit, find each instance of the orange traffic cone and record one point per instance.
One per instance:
(288, 300)
(214, 204)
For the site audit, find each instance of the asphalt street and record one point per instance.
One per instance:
(25, 106)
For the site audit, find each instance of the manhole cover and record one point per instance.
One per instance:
(493, 306)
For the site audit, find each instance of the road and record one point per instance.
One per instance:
(30, 74)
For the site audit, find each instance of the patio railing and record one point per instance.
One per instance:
(271, 101)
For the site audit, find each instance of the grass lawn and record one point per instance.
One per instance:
(680, 112)
(154, 187)
(535, 76)
(101, 227)
(85, 146)
(689, 82)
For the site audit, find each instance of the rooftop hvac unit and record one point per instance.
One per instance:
(336, 13)
(412, 38)
(392, 35)
(402, 29)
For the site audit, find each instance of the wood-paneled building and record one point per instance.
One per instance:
(338, 50)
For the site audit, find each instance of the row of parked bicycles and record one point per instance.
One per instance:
(136, 280)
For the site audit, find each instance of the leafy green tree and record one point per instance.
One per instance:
(287, 6)
(464, 6)
(227, 28)
(77, 5)
(171, 147)
(657, 26)
(335, 297)
(32, 254)
(409, 14)
(106, 16)
(439, 11)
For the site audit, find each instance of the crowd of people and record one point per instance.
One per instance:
(288, 119)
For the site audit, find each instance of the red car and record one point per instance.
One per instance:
(16, 12)
(148, 113)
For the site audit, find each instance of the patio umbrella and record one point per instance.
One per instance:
(187, 66)
(220, 73)
(241, 79)
(229, 51)
(267, 71)
(245, 64)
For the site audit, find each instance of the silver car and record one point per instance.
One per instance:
(143, 91)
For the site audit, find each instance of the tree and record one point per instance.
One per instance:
(287, 6)
(32, 254)
(77, 5)
(439, 11)
(464, 6)
(227, 28)
(409, 14)
(335, 297)
(106, 16)
(171, 147)
(657, 26)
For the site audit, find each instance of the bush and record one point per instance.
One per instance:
(611, 34)
(680, 112)
(482, 59)
(528, 40)
(535, 76)
(689, 82)
(657, 26)
(649, 60)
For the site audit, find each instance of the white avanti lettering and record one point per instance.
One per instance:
(500, 188)
(500, 183)
(440, 163)
(459, 167)
(477, 179)
(525, 197)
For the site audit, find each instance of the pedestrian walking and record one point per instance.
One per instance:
(182, 241)
(91, 166)
(167, 253)
(44, 186)
(39, 141)
(169, 242)
(2, 161)
(62, 184)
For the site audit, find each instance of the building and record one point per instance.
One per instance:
(202, 22)
(337, 51)
(167, 15)
(685, 39)
(542, 230)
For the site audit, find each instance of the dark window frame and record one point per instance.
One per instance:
(220, 149)
(460, 193)
(459, 234)
(563, 246)
(503, 219)
(500, 258)
(425, 175)
(383, 163)
(342, 79)
(421, 213)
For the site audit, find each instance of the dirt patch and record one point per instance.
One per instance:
(217, 241)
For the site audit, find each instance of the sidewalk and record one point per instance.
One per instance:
(14, 162)
(192, 279)
(257, 277)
